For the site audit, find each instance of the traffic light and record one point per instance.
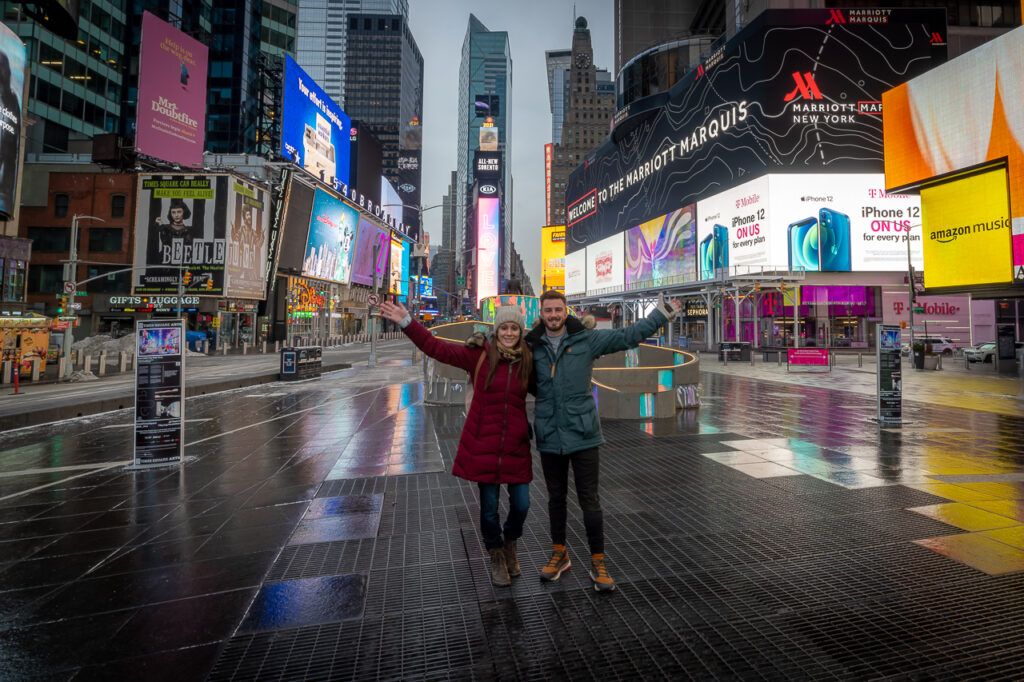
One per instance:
(187, 278)
(209, 284)
(62, 305)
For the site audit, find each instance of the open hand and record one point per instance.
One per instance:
(394, 312)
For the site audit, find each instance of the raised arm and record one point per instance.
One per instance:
(605, 341)
(454, 354)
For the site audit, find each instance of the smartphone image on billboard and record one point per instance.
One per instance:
(714, 252)
(707, 255)
(834, 241)
(803, 245)
(721, 247)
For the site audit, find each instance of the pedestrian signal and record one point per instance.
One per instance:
(209, 284)
(187, 278)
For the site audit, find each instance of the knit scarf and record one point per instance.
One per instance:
(510, 354)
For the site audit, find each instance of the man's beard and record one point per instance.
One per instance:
(550, 328)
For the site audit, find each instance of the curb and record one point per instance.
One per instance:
(126, 400)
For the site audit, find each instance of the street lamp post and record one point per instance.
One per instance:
(71, 275)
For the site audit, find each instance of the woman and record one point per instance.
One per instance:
(495, 443)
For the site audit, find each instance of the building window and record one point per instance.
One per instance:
(111, 284)
(14, 279)
(45, 279)
(117, 202)
(60, 205)
(50, 239)
(105, 239)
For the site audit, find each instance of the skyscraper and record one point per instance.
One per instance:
(589, 101)
(558, 63)
(485, 89)
(323, 37)
(384, 91)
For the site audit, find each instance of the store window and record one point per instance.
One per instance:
(60, 205)
(14, 271)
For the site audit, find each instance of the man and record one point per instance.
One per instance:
(566, 424)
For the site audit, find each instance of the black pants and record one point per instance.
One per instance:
(585, 469)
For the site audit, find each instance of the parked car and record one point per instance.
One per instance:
(983, 352)
(940, 345)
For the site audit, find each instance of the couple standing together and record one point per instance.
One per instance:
(553, 361)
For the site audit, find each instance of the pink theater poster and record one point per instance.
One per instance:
(171, 119)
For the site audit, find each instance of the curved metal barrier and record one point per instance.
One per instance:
(649, 382)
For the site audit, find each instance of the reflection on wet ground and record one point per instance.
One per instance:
(775, 532)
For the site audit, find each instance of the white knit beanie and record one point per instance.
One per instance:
(508, 313)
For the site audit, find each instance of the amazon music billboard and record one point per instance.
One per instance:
(796, 91)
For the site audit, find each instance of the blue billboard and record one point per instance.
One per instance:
(331, 244)
(314, 129)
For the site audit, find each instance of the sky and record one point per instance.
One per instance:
(533, 26)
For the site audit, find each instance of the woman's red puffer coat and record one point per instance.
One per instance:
(495, 442)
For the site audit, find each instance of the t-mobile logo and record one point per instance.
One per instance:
(805, 87)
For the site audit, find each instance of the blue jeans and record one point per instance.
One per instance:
(518, 506)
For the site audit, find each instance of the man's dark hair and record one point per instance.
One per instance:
(551, 294)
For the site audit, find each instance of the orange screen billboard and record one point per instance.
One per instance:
(961, 115)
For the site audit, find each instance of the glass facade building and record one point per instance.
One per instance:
(384, 76)
(485, 90)
(322, 37)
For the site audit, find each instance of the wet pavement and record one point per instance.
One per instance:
(775, 533)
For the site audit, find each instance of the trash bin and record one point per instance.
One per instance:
(289, 364)
(301, 362)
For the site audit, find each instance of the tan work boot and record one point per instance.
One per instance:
(499, 570)
(557, 565)
(511, 560)
(599, 574)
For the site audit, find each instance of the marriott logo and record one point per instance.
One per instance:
(806, 87)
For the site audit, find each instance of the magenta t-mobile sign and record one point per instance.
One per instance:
(171, 119)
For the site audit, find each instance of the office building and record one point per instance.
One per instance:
(589, 101)
(443, 265)
(322, 37)
(384, 91)
(485, 89)
(76, 86)
(642, 24)
(558, 63)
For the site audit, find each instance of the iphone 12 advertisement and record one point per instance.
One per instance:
(821, 242)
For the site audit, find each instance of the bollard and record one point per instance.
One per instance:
(82, 357)
(36, 364)
(6, 378)
(778, 359)
(860, 359)
(122, 362)
(61, 365)
(725, 355)
(938, 363)
(263, 347)
(131, 361)
(832, 359)
(277, 347)
(87, 365)
(224, 349)
(102, 368)
(245, 347)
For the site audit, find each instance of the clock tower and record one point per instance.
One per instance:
(589, 97)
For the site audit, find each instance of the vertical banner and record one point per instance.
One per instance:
(12, 89)
(181, 234)
(247, 246)
(890, 375)
(548, 154)
(159, 392)
(487, 244)
(171, 112)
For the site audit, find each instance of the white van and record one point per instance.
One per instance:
(940, 344)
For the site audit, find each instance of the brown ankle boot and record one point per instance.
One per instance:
(511, 560)
(499, 569)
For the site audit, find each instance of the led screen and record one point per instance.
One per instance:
(331, 240)
(576, 273)
(488, 212)
(606, 265)
(315, 130)
(662, 251)
(363, 266)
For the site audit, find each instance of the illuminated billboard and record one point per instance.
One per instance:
(399, 269)
(606, 265)
(548, 158)
(552, 257)
(12, 84)
(817, 223)
(795, 91)
(363, 265)
(330, 245)
(576, 273)
(967, 231)
(662, 251)
(249, 224)
(171, 112)
(314, 129)
(958, 116)
(181, 236)
(488, 213)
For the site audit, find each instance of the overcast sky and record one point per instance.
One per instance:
(533, 26)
